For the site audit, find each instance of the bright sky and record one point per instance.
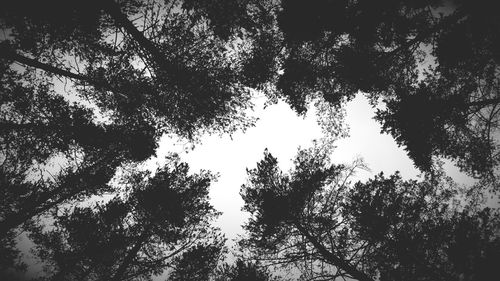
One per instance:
(281, 131)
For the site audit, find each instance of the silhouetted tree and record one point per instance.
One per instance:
(169, 74)
(164, 219)
(167, 66)
(315, 220)
(138, 70)
(432, 64)
(415, 233)
(10, 261)
(134, 71)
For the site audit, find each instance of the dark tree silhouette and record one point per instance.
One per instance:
(415, 233)
(170, 66)
(164, 220)
(341, 47)
(315, 220)
(134, 71)
(432, 63)
(137, 70)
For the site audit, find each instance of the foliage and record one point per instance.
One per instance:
(440, 58)
(137, 70)
(144, 73)
(314, 219)
(441, 100)
(88, 87)
(198, 263)
(418, 235)
(164, 218)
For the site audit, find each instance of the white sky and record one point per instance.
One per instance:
(281, 131)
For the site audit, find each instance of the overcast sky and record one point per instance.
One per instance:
(281, 131)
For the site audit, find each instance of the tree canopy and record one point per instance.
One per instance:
(163, 219)
(89, 88)
(434, 64)
(92, 86)
(430, 66)
(315, 219)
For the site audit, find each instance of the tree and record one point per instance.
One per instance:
(314, 219)
(432, 65)
(170, 76)
(163, 219)
(341, 47)
(138, 70)
(135, 71)
(417, 234)
(148, 71)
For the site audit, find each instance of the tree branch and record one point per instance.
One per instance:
(131, 255)
(114, 10)
(7, 52)
(332, 258)
(485, 102)
(455, 17)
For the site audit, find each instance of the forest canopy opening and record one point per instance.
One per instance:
(91, 87)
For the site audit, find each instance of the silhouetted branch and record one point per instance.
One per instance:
(7, 52)
(332, 258)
